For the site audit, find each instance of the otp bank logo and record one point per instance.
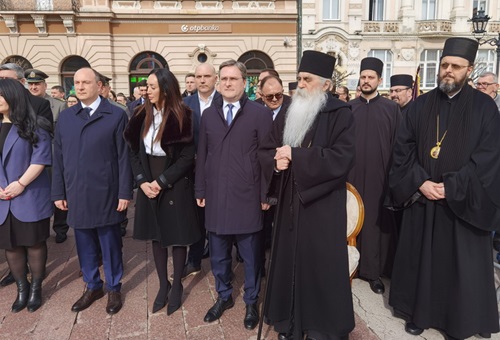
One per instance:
(199, 28)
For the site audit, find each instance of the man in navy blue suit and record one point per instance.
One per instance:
(229, 181)
(92, 180)
(205, 78)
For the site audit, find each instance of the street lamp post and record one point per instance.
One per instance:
(479, 22)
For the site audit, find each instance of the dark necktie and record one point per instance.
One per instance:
(86, 112)
(229, 114)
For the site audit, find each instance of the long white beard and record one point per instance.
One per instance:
(301, 114)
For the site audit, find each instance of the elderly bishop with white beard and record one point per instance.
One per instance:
(309, 153)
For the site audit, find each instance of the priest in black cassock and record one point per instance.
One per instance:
(445, 174)
(376, 119)
(401, 91)
(311, 151)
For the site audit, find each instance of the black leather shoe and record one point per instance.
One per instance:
(485, 335)
(284, 336)
(35, 298)
(377, 286)
(189, 270)
(87, 299)
(23, 291)
(60, 238)
(217, 309)
(412, 329)
(7, 280)
(251, 316)
(114, 302)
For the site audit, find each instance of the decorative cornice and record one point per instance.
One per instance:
(208, 4)
(251, 5)
(11, 22)
(69, 23)
(40, 24)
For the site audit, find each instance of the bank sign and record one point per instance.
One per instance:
(200, 28)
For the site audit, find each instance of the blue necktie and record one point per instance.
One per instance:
(229, 114)
(86, 112)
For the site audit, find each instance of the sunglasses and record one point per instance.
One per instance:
(270, 97)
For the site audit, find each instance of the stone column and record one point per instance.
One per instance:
(407, 16)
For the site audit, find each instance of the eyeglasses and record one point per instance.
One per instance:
(398, 90)
(454, 67)
(484, 84)
(270, 97)
(73, 101)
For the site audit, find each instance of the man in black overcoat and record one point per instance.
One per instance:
(444, 176)
(310, 151)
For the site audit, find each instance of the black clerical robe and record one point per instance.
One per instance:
(376, 124)
(443, 270)
(309, 281)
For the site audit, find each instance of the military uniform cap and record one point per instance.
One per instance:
(35, 76)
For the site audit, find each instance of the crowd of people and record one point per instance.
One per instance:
(215, 170)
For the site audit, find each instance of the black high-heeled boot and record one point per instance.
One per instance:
(35, 298)
(161, 299)
(23, 291)
(175, 300)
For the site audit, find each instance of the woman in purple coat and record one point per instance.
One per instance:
(160, 138)
(25, 205)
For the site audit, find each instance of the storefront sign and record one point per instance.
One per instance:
(200, 28)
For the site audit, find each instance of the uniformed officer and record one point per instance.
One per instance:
(38, 87)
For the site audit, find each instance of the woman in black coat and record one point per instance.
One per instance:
(160, 138)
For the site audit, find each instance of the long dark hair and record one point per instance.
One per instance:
(21, 114)
(170, 95)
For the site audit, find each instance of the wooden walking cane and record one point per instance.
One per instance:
(271, 256)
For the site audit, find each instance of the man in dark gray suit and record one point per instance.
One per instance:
(228, 180)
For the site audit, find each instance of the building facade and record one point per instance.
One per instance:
(126, 39)
(402, 33)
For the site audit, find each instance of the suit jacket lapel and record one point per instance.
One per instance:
(12, 137)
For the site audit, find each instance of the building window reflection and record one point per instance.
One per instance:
(255, 61)
(18, 60)
(142, 65)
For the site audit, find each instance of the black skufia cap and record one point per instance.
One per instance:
(461, 47)
(317, 63)
(402, 80)
(373, 64)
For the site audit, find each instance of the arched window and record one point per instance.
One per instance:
(255, 61)
(18, 60)
(68, 69)
(142, 65)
